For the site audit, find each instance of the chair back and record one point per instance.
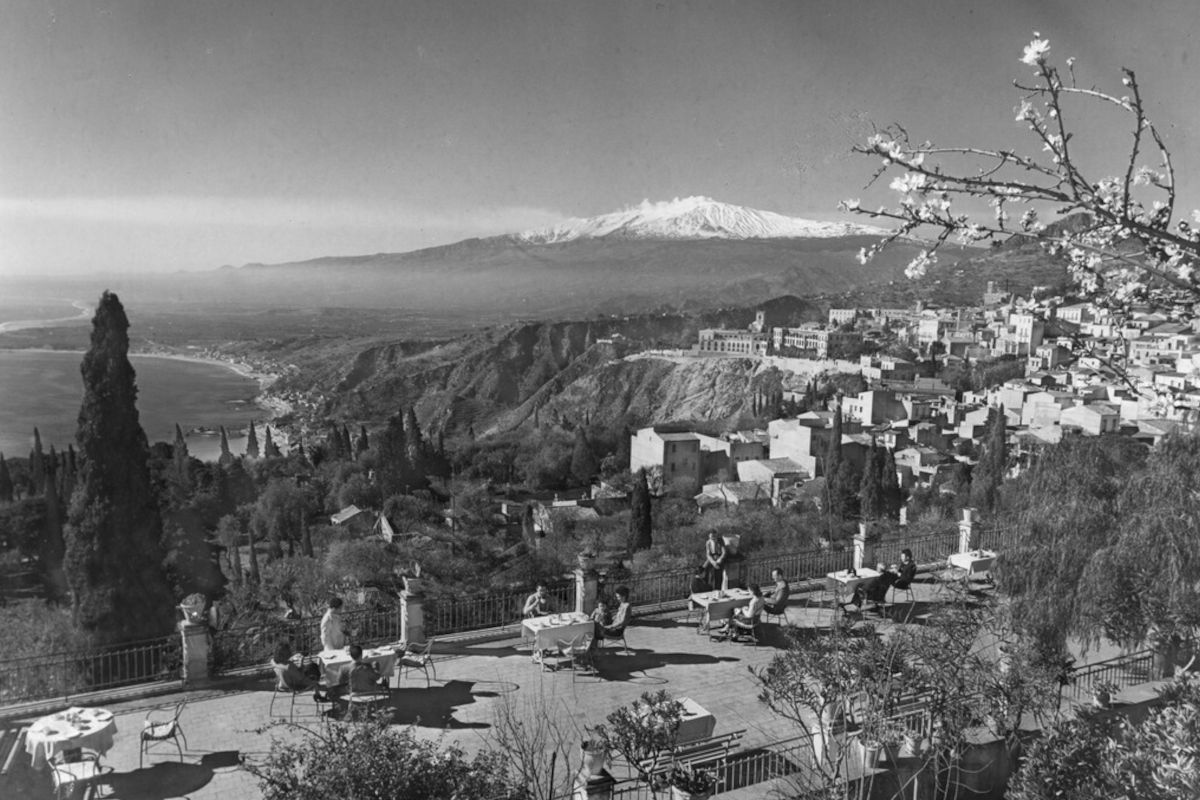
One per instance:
(179, 710)
(831, 585)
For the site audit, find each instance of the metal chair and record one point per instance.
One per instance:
(164, 729)
(84, 771)
(418, 656)
(906, 587)
(577, 651)
(740, 627)
(281, 687)
(779, 612)
(617, 635)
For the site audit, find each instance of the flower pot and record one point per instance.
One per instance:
(912, 745)
(595, 758)
(587, 561)
(891, 751)
(193, 610)
(684, 794)
(413, 585)
(732, 540)
(870, 753)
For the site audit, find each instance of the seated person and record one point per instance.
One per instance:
(600, 615)
(538, 603)
(699, 582)
(357, 676)
(291, 676)
(615, 628)
(777, 602)
(749, 612)
(899, 575)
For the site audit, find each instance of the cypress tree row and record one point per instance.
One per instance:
(114, 556)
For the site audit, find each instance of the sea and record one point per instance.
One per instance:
(43, 389)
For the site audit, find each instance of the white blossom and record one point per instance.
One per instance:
(850, 204)
(1035, 51)
(908, 182)
(918, 266)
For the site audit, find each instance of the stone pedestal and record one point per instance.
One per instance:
(195, 652)
(587, 590)
(732, 574)
(864, 548)
(593, 787)
(412, 618)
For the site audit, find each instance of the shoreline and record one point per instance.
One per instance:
(274, 406)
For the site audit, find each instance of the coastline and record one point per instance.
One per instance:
(273, 405)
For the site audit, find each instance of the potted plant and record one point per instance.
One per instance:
(1102, 693)
(413, 583)
(192, 607)
(732, 542)
(688, 783)
(595, 756)
(871, 748)
(891, 737)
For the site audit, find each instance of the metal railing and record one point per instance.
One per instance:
(44, 677)
(995, 537)
(253, 645)
(455, 614)
(1122, 671)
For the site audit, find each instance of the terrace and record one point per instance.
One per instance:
(483, 673)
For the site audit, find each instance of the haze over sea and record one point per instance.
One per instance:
(43, 389)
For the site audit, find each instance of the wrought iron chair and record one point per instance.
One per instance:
(158, 729)
(418, 656)
(282, 687)
(740, 627)
(578, 652)
(86, 770)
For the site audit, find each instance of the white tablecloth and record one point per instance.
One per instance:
(697, 722)
(72, 729)
(974, 562)
(546, 632)
(848, 583)
(719, 608)
(384, 658)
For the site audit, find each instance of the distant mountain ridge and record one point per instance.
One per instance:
(692, 218)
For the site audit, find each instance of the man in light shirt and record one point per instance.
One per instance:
(333, 631)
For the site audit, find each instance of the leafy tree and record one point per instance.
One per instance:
(374, 759)
(583, 460)
(6, 482)
(252, 442)
(229, 534)
(640, 516)
(113, 540)
(277, 514)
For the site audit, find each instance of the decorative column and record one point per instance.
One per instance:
(195, 652)
(412, 617)
(966, 530)
(587, 590)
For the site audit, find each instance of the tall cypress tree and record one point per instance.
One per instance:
(414, 447)
(179, 458)
(37, 465)
(989, 474)
(833, 465)
(583, 459)
(363, 443)
(392, 468)
(6, 482)
(252, 442)
(870, 490)
(893, 497)
(114, 556)
(52, 535)
(226, 456)
(270, 449)
(347, 443)
(640, 517)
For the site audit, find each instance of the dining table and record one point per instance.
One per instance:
(72, 729)
(848, 580)
(332, 661)
(974, 562)
(719, 605)
(545, 632)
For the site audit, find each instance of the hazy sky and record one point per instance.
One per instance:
(186, 134)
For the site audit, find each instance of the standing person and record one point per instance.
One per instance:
(333, 628)
(714, 560)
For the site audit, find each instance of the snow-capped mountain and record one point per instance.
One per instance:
(692, 218)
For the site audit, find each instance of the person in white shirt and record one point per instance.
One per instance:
(538, 604)
(333, 631)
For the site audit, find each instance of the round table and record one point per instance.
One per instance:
(75, 728)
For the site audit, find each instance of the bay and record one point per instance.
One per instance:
(43, 389)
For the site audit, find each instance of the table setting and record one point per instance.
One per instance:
(719, 605)
(72, 729)
(545, 632)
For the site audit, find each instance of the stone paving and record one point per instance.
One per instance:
(474, 682)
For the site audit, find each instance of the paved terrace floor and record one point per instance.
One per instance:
(475, 681)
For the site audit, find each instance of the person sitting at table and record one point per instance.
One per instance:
(600, 615)
(357, 676)
(615, 628)
(746, 613)
(699, 581)
(333, 629)
(538, 603)
(292, 676)
(899, 575)
(714, 560)
(777, 602)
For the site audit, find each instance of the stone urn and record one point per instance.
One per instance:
(595, 757)
(587, 561)
(192, 607)
(732, 541)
